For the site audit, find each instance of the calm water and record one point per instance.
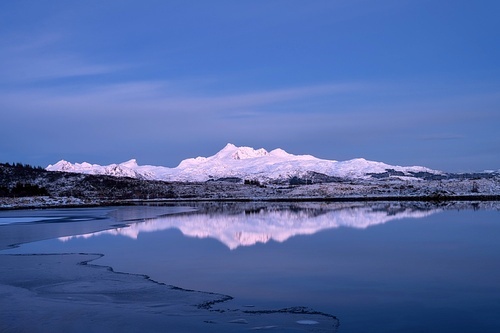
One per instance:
(378, 268)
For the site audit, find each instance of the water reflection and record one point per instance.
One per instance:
(431, 268)
(27, 226)
(240, 225)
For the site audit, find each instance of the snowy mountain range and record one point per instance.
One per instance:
(246, 163)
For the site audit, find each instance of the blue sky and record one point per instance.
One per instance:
(403, 82)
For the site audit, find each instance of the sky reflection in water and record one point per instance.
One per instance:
(426, 269)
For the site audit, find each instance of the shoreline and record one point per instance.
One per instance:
(66, 292)
(329, 199)
(69, 202)
(71, 292)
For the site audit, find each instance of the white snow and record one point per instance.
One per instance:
(241, 162)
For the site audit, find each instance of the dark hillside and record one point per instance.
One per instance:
(17, 180)
(21, 180)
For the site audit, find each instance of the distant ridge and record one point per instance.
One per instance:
(247, 163)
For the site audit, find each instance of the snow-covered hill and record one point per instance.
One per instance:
(247, 164)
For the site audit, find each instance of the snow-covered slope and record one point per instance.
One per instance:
(244, 163)
(126, 169)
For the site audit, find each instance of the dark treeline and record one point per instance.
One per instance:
(17, 180)
(23, 190)
(21, 166)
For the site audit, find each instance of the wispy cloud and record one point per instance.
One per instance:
(260, 98)
(42, 58)
(442, 137)
(164, 97)
(51, 67)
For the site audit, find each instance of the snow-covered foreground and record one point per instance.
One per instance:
(64, 190)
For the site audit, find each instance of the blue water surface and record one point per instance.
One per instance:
(376, 270)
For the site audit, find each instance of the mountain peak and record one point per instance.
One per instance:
(233, 152)
(130, 164)
(229, 146)
(246, 163)
(62, 165)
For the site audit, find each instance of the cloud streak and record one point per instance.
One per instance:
(87, 81)
(161, 97)
(42, 58)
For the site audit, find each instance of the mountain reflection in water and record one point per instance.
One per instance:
(434, 267)
(246, 225)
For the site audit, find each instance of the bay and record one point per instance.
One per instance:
(382, 267)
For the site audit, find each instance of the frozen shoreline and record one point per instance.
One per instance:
(64, 292)
(70, 202)
(69, 292)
